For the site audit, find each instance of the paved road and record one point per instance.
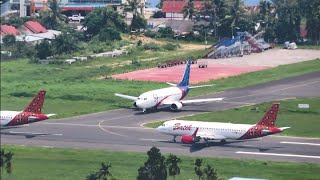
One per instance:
(120, 130)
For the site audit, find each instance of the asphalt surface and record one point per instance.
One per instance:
(120, 130)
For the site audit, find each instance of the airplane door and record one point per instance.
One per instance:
(155, 96)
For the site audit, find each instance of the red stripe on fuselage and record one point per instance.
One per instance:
(182, 92)
(159, 103)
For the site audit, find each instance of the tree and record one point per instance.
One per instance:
(215, 11)
(138, 22)
(310, 9)
(197, 168)
(43, 50)
(173, 165)
(51, 17)
(102, 174)
(189, 10)
(65, 43)
(9, 40)
(287, 27)
(210, 173)
(166, 32)
(104, 20)
(154, 168)
(5, 161)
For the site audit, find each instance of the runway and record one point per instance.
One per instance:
(120, 130)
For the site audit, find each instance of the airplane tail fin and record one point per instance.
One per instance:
(185, 78)
(36, 104)
(269, 119)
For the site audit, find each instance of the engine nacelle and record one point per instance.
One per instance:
(185, 139)
(135, 104)
(176, 106)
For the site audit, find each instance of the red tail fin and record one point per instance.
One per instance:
(269, 119)
(36, 104)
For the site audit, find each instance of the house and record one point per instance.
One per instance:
(174, 9)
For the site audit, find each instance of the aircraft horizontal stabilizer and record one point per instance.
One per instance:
(126, 96)
(171, 84)
(283, 128)
(194, 87)
(200, 100)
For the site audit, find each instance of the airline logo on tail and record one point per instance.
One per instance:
(36, 104)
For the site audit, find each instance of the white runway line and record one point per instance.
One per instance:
(300, 143)
(153, 140)
(294, 137)
(32, 133)
(275, 154)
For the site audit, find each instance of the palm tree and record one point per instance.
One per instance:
(210, 173)
(173, 166)
(104, 171)
(52, 17)
(237, 12)
(197, 169)
(5, 161)
(189, 10)
(133, 6)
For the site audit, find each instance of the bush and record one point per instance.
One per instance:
(150, 34)
(152, 46)
(170, 47)
(21, 94)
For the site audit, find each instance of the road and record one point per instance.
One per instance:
(120, 130)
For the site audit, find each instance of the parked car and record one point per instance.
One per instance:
(76, 17)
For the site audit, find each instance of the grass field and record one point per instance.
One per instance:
(76, 89)
(30, 163)
(301, 121)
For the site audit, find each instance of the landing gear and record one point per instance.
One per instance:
(174, 139)
(207, 142)
(223, 141)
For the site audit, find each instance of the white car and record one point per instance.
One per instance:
(78, 18)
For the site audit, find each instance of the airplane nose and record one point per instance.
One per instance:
(139, 104)
(159, 129)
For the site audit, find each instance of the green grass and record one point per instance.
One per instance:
(55, 163)
(75, 90)
(301, 121)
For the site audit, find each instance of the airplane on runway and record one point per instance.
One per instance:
(193, 131)
(32, 113)
(171, 96)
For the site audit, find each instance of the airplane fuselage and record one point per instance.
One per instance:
(155, 98)
(226, 130)
(15, 118)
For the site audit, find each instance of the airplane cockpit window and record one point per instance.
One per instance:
(144, 98)
(163, 124)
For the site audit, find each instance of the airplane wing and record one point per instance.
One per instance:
(126, 96)
(210, 136)
(48, 115)
(191, 101)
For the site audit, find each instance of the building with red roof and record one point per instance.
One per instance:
(34, 27)
(6, 30)
(174, 9)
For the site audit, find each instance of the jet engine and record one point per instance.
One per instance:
(175, 106)
(135, 104)
(186, 139)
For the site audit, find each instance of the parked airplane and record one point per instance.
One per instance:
(31, 114)
(171, 96)
(193, 131)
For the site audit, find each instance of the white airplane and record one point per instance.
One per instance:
(31, 114)
(193, 131)
(171, 96)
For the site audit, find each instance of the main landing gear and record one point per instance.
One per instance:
(174, 139)
(154, 109)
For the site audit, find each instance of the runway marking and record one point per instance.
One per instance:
(275, 154)
(300, 143)
(294, 137)
(31, 133)
(152, 140)
(93, 125)
(105, 130)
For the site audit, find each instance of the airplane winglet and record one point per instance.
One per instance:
(284, 128)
